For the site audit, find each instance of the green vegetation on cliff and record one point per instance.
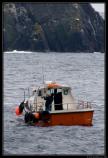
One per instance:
(60, 27)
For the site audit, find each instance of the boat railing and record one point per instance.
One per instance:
(66, 106)
(84, 104)
(79, 105)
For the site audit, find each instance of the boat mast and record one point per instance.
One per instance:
(24, 94)
(28, 92)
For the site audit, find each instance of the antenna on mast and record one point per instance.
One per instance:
(24, 94)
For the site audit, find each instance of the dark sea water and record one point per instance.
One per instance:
(84, 72)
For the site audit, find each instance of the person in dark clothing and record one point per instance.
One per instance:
(49, 100)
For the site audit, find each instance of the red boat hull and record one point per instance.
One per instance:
(84, 118)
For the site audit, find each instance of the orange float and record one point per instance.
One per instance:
(17, 111)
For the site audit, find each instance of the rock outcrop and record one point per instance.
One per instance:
(58, 27)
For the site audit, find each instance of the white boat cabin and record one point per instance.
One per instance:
(62, 97)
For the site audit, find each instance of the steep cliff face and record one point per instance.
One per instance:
(60, 27)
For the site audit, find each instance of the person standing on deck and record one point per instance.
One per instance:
(49, 100)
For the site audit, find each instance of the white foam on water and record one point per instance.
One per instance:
(97, 52)
(18, 52)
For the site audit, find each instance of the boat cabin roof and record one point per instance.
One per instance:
(54, 85)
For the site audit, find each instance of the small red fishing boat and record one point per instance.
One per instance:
(54, 104)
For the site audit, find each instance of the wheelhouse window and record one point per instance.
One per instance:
(49, 91)
(59, 90)
(54, 91)
(65, 91)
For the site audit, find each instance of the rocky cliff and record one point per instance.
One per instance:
(60, 27)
